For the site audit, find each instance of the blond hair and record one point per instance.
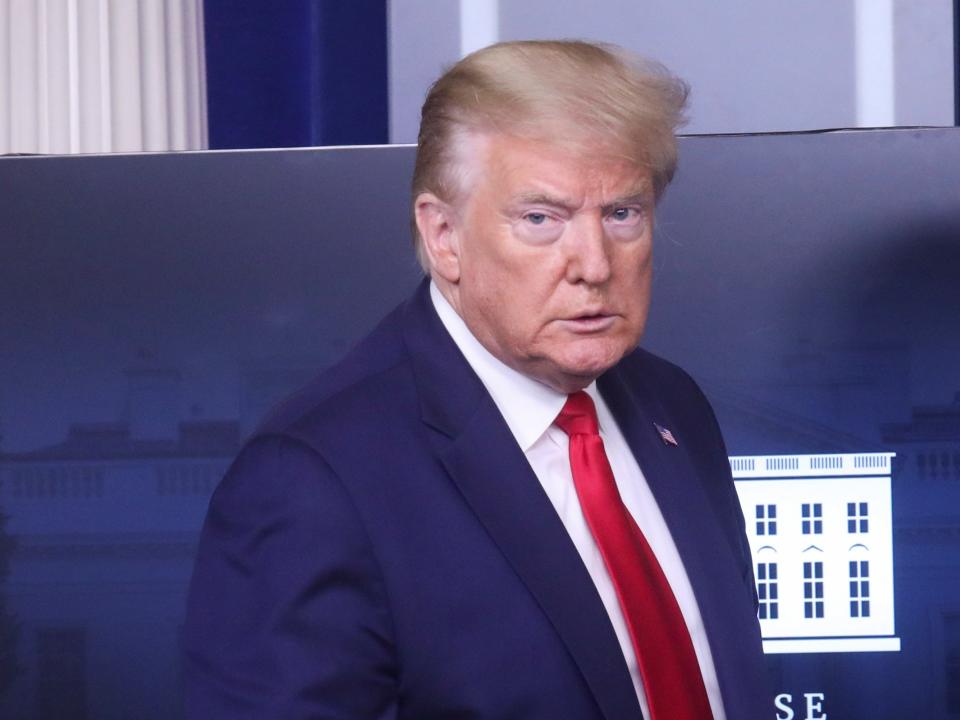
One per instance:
(567, 92)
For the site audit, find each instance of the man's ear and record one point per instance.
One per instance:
(436, 221)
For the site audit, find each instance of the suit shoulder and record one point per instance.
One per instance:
(662, 384)
(372, 366)
(660, 375)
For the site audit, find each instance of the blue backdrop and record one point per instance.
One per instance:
(153, 307)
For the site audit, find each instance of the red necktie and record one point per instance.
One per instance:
(668, 664)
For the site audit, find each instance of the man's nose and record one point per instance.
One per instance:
(588, 258)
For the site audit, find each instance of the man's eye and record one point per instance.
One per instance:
(536, 218)
(622, 213)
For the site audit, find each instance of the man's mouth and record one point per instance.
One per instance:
(590, 322)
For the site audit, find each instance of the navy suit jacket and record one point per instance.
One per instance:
(382, 549)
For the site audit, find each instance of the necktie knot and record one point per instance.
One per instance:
(578, 415)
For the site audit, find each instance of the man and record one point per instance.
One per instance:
(495, 506)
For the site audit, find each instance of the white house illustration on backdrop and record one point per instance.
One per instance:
(821, 535)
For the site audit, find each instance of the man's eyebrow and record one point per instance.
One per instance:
(539, 198)
(641, 197)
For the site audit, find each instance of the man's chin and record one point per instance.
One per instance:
(571, 377)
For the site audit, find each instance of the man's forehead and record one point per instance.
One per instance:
(552, 168)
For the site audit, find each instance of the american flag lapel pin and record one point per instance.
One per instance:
(665, 435)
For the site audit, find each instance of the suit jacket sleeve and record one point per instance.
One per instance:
(287, 615)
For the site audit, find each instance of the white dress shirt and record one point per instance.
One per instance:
(529, 409)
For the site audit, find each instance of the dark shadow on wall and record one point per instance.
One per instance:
(910, 283)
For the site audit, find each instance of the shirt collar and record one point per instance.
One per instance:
(529, 407)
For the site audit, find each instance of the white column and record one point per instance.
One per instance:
(479, 24)
(126, 86)
(91, 90)
(875, 63)
(21, 45)
(195, 73)
(153, 75)
(178, 137)
(5, 90)
(101, 76)
(55, 98)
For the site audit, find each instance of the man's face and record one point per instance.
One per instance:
(555, 253)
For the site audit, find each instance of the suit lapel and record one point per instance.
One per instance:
(714, 572)
(482, 457)
(673, 481)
